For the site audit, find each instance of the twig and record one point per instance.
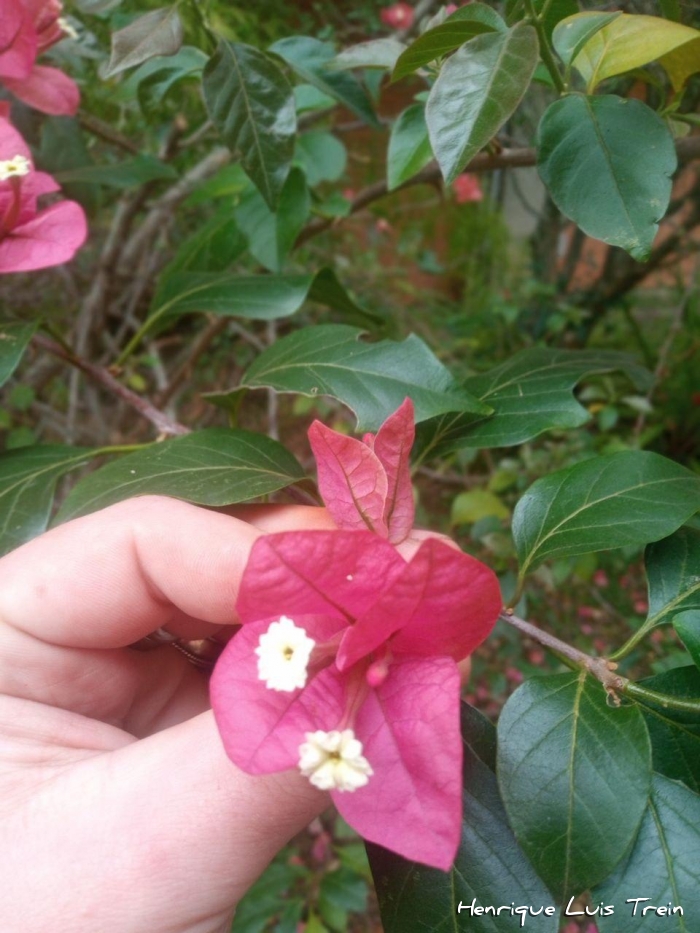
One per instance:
(106, 132)
(102, 376)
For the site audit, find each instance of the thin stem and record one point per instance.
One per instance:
(633, 641)
(545, 48)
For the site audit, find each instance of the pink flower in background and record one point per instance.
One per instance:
(467, 188)
(345, 667)
(28, 28)
(367, 484)
(31, 238)
(398, 15)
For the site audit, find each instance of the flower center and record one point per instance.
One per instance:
(334, 760)
(16, 167)
(283, 655)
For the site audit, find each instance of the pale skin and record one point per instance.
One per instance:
(119, 811)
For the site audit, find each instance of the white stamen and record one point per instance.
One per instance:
(334, 760)
(283, 655)
(13, 168)
(69, 31)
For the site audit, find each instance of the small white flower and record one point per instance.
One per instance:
(334, 760)
(12, 168)
(283, 655)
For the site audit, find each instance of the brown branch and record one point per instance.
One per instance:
(104, 378)
(106, 132)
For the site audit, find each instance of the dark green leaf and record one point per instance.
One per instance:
(213, 247)
(14, 339)
(322, 156)
(252, 105)
(584, 146)
(309, 57)
(573, 33)
(574, 774)
(687, 626)
(327, 290)
(477, 90)
(372, 379)
(345, 888)
(462, 25)
(673, 573)
(663, 866)
(27, 482)
(164, 73)
(554, 12)
(490, 866)
(675, 735)
(631, 497)
(271, 235)
(228, 183)
(216, 466)
(129, 174)
(156, 33)
(377, 53)
(266, 899)
(409, 146)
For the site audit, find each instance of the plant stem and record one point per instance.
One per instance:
(545, 48)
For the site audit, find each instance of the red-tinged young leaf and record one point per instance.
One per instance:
(352, 481)
(392, 445)
(410, 731)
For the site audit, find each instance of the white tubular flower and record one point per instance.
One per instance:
(334, 760)
(13, 168)
(283, 655)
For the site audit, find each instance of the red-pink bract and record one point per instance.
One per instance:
(398, 15)
(467, 188)
(388, 634)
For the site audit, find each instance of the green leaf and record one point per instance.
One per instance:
(14, 339)
(477, 90)
(530, 393)
(372, 379)
(267, 898)
(673, 574)
(409, 146)
(216, 466)
(675, 735)
(345, 889)
(554, 12)
(462, 25)
(687, 626)
(377, 53)
(28, 479)
(212, 248)
(574, 774)
(663, 866)
(252, 105)
(271, 235)
(470, 507)
(627, 498)
(322, 156)
(490, 866)
(156, 33)
(309, 58)
(630, 41)
(164, 73)
(129, 174)
(584, 146)
(572, 33)
(228, 183)
(327, 290)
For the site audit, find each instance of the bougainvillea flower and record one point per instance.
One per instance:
(374, 640)
(31, 238)
(467, 188)
(367, 484)
(398, 15)
(28, 28)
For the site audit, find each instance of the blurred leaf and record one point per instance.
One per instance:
(95, 7)
(477, 90)
(553, 12)
(584, 146)
(165, 73)
(572, 33)
(14, 339)
(156, 33)
(377, 53)
(409, 146)
(462, 25)
(470, 507)
(129, 174)
(252, 105)
(271, 235)
(309, 98)
(346, 889)
(322, 156)
(490, 866)
(627, 498)
(675, 736)
(372, 379)
(663, 866)
(309, 57)
(266, 898)
(28, 479)
(574, 774)
(687, 626)
(228, 181)
(215, 466)
(212, 248)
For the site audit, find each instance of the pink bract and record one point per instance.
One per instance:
(467, 188)
(388, 634)
(31, 238)
(398, 15)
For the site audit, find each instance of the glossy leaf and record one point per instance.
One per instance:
(675, 735)
(477, 90)
(572, 33)
(28, 479)
(530, 393)
(128, 174)
(271, 234)
(490, 866)
(156, 33)
(574, 774)
(687, 626)
(252, 105)
(14, 339)
(309, 58)
(663, 866)
(377, 53)
(372, 379)
(673, 574)
(627, 498)
(462, 25)
(216, 466)
(630, 41)
(584, 146)
(409, 146)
